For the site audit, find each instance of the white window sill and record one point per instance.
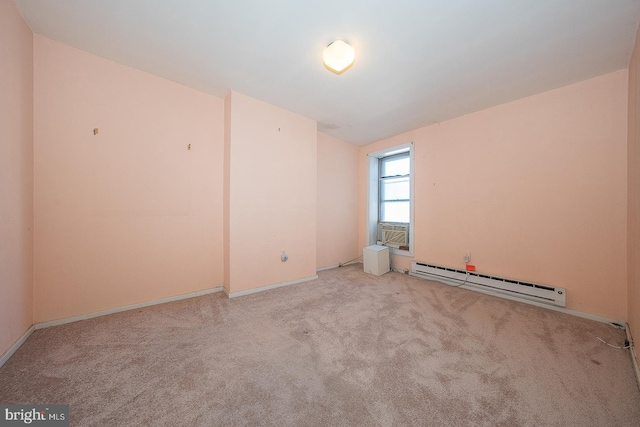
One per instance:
(396, 251)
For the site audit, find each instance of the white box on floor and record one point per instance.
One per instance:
(376, 259)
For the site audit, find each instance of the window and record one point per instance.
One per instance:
(395, 188)
(390, 199)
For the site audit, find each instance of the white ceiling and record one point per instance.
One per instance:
(417, 61)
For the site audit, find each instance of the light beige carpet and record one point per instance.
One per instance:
(348, 349)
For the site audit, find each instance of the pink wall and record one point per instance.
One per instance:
(535, 189)
(272, 194)
(16, 176)
(226, 191)
(337, 227)
(633, 193)
(128, 215)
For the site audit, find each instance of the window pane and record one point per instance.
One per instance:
(395, 211)
(396, 166)
(395, 188)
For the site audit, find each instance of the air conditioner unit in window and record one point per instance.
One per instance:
(394, 234)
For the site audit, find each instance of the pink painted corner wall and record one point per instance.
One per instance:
(272, 194)
(535, 189)
(226, 192)
(337, 227)
(130, 214)
(16, 176)
(633, 193)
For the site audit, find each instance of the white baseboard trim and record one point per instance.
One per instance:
(634, 355)
(620, 323)
(331, 267)
(328, 267)
(268, 287)
(126, 308)
(7, 354)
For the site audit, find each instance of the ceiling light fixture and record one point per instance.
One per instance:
(338, 57)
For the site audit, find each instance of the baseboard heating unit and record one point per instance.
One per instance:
(491, 284)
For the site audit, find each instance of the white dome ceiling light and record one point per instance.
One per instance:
(338, 57)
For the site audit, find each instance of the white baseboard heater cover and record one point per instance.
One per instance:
(492, 284)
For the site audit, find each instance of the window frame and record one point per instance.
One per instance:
(373, 197)
(381, 179)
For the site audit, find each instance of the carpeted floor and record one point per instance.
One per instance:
(348, 349)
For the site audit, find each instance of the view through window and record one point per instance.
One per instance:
(395, 188)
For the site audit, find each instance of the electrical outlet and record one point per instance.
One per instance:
(467, 257)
